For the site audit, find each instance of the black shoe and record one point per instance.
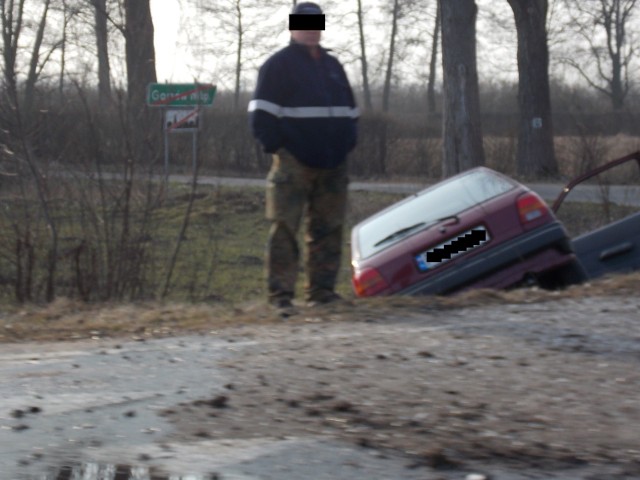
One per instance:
(325, 297)
(284, 306)
(281, 302)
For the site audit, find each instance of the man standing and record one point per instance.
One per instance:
(303, 112)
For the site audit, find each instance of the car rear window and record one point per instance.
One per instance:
(444, 199)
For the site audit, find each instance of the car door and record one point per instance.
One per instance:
(610, 249)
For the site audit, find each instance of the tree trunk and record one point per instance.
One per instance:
(140, 52)
(102, 42)
(368, 105)
(616, 16)
(144, 122)
(32, 76)
(382, 135)
(236, 94)
(386, 91)
(462, 128)
(431, 83)
(63, 52)
(535, 153)
(12, 16)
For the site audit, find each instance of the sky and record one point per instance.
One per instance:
(169, 64)
(172, 62)
(496, 49)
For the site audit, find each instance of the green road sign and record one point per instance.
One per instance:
(180, 94)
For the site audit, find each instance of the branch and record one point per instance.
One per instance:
(572, 63)
(119, 26)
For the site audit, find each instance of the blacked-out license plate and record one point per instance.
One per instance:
(452, 248)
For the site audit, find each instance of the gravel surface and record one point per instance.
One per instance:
(541, 386)
(541, 383)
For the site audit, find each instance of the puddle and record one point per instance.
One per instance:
(95, 471)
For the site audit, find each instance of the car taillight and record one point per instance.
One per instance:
(531, 207)
(368, 282)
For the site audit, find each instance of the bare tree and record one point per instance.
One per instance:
(403, 14)
(606, 27)
(382, 133)
(535, 155)
(368, 105)
(102, 44)
(237, 22)
(431, 82)
(18, 117)
(14, 25)
(63, 48)
(396, 11)
(142, 131)
(240, 45)
(231, 19)
(140, 51)
(462, 128)
(35, 64)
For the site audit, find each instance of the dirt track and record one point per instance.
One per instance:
(544, 386)
(526, 379)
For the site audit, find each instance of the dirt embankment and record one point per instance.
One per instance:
(69, 320)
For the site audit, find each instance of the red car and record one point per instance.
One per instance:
(476, 229)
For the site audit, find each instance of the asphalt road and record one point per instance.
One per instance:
(619, 194)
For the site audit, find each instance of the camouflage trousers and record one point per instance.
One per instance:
(295, 191)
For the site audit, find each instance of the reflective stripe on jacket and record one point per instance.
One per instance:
(306, 106)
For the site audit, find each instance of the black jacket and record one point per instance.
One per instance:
(305, 106)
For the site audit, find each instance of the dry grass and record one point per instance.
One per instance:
(421, 157)
(66, 320)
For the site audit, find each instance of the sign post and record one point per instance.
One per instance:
(182, 103)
